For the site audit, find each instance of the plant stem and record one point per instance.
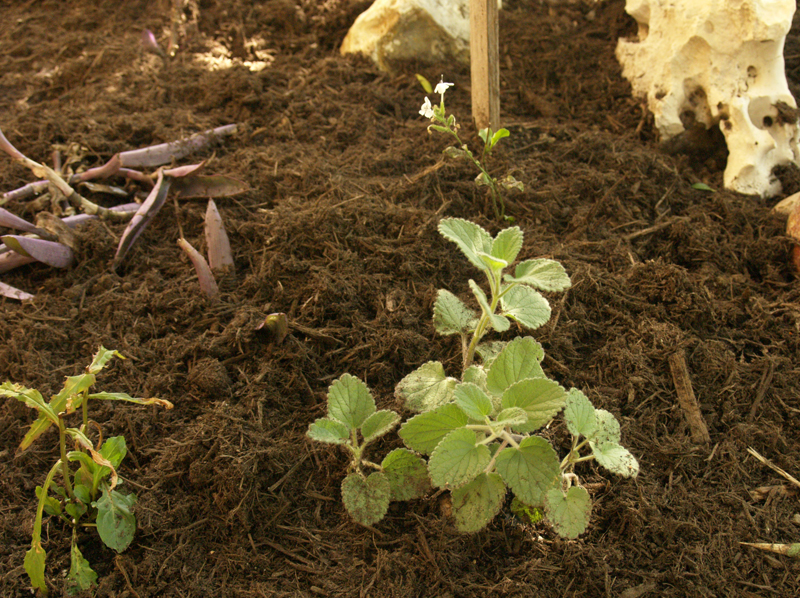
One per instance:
(37, 523)
(62, 443)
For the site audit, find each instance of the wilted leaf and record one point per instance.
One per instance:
(143, 216)
(48, 252)
(220, 256)
(208, 186)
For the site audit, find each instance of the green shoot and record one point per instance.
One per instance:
(87, 495)
(447, 125)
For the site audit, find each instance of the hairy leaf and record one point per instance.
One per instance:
(451, 315)
(513, 416)
(489, 351)
(507, 243)
(423, 432)
(476, 504)
(530, 470)
(579, 414)
(366, 499)
(469, 237)
(518, 360)
(116, 522)
(426, 388)
(543, 274)
(329, 431)
(607, 428)
(493, 263)
(541, 399)
(569, 513)
(378, 424)
(526, 306)
(473, 401)
(457, 459)
(476, 375)
(616, 459)
(349, 401)
(407, 474)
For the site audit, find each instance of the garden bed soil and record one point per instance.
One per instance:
(338, 231)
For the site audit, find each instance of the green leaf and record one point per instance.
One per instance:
(498, 135)
(543, 274)
(473, 401)
(426, 388)
(349, 401)
(423, 432)
(702, 187)
(52, 506)
(378, 424)
(497, 322)
(569, 513)
(530, 470)
(616, 459)
(476, 375)
(494, 264)
(407, 474)
(528, 514)
(456, 153)
(34, 566)
(457, 459)
(607, 428)
(489, 351)
(541, 399)
(329, 431)
(426, 85)
(579, 414)
(526, 306)
(84, 494)
(71, 396)
(518, 360)
(439, 128)
(116, 522)
(81, 575)
(366, 499)
(477, 503)
(101, 358)
(513, 416)
(451, 315)
(484, 135)
(469, 237)
(507, 243)
(114, 449)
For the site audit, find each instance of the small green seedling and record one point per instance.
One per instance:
(87, 495)
(478, 432)
(352, 414)
(447, 124)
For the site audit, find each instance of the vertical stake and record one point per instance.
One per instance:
(484, 52)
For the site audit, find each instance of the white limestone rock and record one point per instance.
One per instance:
(397, 30)
(719, 63)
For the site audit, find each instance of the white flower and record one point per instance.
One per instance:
(427, 109)
(441, 87)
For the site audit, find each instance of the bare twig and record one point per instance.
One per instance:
(686, 398)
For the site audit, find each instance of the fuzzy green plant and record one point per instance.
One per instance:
(80, 488)
(446, 124)
(478, 431)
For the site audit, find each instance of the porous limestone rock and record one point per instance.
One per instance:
(719, 63)
(397, 30)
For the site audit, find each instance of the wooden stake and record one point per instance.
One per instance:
(484, 52)
(686, 398)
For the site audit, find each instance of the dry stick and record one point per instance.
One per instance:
(772, 466)
(44, 171)
(763, 386)
(686, 398)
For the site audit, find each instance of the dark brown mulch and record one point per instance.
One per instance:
(339, 232)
